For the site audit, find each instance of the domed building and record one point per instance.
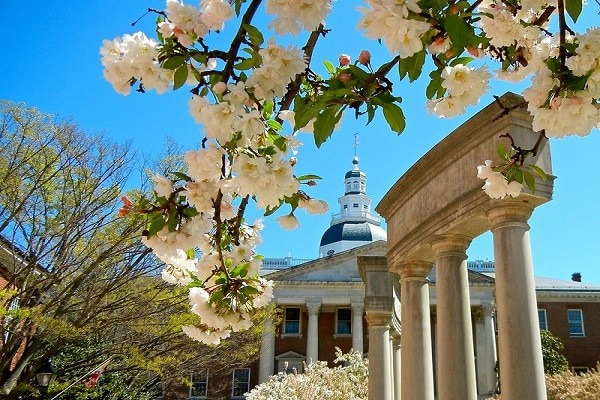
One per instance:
(355, 224)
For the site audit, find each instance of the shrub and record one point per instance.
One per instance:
(346, 381)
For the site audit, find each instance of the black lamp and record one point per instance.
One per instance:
(44, 376)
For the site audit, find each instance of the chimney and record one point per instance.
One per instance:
(576, 277)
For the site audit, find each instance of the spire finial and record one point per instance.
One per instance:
(355, 143)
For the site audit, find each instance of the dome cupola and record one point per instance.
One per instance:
(355, 224)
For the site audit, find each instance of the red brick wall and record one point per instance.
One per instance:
(579, 351)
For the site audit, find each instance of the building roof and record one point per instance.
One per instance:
(353, 231)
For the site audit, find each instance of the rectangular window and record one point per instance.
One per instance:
(241, 382)
(199, 388)
(575, 318)
(543, 320)
(344, 321)
(291, 324)
(355, 205)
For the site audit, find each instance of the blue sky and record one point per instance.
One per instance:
(51, 61)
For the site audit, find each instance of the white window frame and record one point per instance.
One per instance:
(580, 321)
(233, 384)
(337, 318)
(193, 379)
(285, 320)
(543, 320)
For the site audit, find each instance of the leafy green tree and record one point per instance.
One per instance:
(81, 287)
(554, 361)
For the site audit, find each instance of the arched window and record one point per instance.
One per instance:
(355, 185)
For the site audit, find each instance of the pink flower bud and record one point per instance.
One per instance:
(311, 183)
(364, 57)
(344, 60)
(345, 77)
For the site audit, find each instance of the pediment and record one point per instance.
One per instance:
(341, 267)
(290, 355)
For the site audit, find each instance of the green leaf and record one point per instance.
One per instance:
(307, 177)
(269, 210)
(358, 73)
(394, 117)
(181, 176)
(412, 66)
(540, 172)
(502, 152)
(174, 62)
(246, 64)
(255, 36)
(268, 107)
(279, 141)
(529, 181)
(191, 254)
(574, 8)
(155, 223)
(275, 125)
(249, 290)
(201, 58)
(325, 123)
(461, 60)
(329, 67)
(305, 111)
(180, 77)
(458, 31)
(434, 88)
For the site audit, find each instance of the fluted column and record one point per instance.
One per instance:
(397, 365)
(357, 327)
(267, 352)
(417, 371)
(456, 358)
(486, 351)
(379, 355)
(520, 351)
(312, 338)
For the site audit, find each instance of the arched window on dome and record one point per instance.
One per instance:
(347, 186)
(355, 185)
(362, 186)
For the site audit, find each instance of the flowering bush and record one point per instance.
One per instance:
(245, 93)
(570, 386)
(347, 381)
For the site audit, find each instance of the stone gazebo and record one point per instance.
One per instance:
(433, 213)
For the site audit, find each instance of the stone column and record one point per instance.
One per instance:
(486, 351)
(357, 327)
(520, 350)
(416, 330)
(397, 365)
(379, 301)
(267, 352)
(312, 334)
(379, 355)
(456, 358)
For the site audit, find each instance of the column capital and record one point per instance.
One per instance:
(509, 213)
(451, 244)
(313, 308)
(412, 269)
(379, 318)
(357, 308)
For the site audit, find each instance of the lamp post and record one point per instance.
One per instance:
(44, 377)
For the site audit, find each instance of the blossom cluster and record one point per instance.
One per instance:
(294, 15)
(196, 222)
(464, 87)
(496, 185)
